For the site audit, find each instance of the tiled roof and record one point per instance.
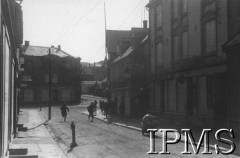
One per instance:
(128, 51)
(42, 51)
(234, 41)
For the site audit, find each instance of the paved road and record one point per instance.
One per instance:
(99, 139)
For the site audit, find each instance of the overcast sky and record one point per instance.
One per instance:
(78, 25)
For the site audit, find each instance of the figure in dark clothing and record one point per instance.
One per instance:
(101, 106)
(90, 111)
(95, 107)
(64, 110)
(106, 108)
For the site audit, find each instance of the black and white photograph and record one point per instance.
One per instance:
(119, 78)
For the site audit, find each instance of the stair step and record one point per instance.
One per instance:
(23, 156)
(23, 129)
(18, 151)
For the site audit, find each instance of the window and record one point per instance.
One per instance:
(65, 95)
(184, 45)
(28, 95)
(47, 78)
(175, 48)
(21, 60)
(45, 95)
(175, 8)
(210, 91)
(159, 54)
(159, 16)
(184, 6)
(210, 36)
(54, 78)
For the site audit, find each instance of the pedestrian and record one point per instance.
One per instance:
(101, 106)
(90, 111)
(106, 108)
(95, 107)
(64, 110)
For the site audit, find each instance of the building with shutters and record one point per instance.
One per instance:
(188, 67)
(11, 40)
(36, 69)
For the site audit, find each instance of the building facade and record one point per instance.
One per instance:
(188, 67)
(11, 40)
(232, 48)
(38, 66)
(127, 72)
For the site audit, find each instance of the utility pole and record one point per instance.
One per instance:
(49, 85)
(108, 61)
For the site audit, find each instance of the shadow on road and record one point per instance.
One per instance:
(38, 125)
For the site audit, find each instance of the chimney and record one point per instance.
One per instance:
(59, 47)
(145, 24)
(26, 43)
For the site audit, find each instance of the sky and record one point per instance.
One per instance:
(79, 25)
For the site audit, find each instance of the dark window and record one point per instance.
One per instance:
(175, 48)
(184, 44)
(210, 91)
(210, 36)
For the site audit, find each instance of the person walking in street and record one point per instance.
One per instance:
(95, 107)
(90, 111)
(64, 110)
(106, 108)
(101, 106)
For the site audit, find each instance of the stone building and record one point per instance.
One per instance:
(188, 66)
(127, 70)
(38, 66)
(232, 48)
(11, 40)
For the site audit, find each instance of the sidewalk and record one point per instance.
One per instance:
(36, 139)
(135, 124)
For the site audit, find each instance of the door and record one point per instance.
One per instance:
(220, 101)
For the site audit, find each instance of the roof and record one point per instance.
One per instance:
(113, 37)
(145, 39)
(91, 82)
(42, 51)
(152, 3)
(234, 41)
(139, 29)
(128, 51)
(105, 79)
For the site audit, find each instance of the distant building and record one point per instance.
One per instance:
(94, 72)
(128, 69)
(64, 70)
(88, 87)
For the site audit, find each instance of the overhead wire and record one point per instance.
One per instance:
(136, 9)
(81, 17)
(131, 14)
